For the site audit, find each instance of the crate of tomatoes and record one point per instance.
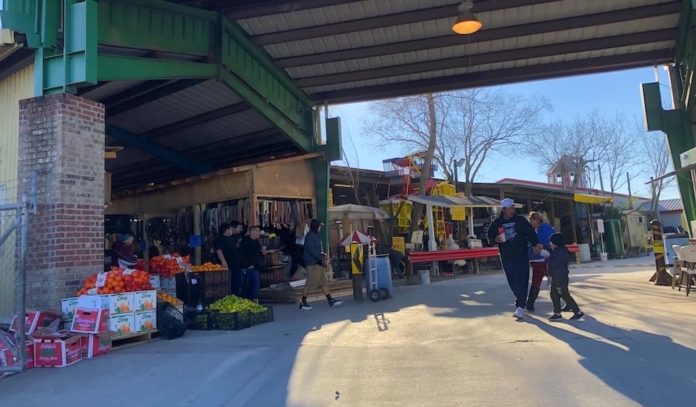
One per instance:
(116, 281)
(168, 266)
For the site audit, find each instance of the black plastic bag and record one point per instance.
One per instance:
(170, 321)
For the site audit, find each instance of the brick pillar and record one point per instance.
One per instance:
(61, 140)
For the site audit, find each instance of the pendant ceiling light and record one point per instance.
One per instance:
(466, 23)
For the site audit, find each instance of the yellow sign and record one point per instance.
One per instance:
(399, 244)
(458, 212)
(658, 247)
(356, 258)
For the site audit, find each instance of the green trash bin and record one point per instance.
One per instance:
(613, 238)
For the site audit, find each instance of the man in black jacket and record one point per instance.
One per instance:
(514, 235)
(315, 261)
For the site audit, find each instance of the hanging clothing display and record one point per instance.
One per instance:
(284, 213)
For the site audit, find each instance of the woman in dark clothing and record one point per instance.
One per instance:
(122, 252)
(559, 272)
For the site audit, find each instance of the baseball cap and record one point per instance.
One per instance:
(507, 203)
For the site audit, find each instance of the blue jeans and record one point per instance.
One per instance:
(251, 282)
(517, 273)
(236, 281)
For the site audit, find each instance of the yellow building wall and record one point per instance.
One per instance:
(14, 88)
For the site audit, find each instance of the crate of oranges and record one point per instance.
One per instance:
(208, 267)
(162, 296)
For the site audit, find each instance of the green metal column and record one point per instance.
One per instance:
(676, 125)
(680, 138)
(321, 168)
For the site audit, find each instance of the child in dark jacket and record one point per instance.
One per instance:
(558, 270)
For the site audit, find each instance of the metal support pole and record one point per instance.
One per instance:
(197, 232)
(471, 222)
(146, 239)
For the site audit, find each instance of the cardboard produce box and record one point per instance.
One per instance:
(122, 325)
(119, 304)
(35, 320)
(67, 308)
(8, 358)
(145, 321)
(91, 315)
(145, 300)
(57, 351)
(95, 344)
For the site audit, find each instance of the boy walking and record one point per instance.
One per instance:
(558, 270)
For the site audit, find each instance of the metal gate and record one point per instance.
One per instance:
(15, 209)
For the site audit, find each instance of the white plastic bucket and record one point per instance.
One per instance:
(604, 256)
(424, 276)
(585, 256)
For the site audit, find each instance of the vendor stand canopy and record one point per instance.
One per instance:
(356, 212)
(449, 201)
(356, 237)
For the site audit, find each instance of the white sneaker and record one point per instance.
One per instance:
(336, 303)
(520, 313)
(305, 307)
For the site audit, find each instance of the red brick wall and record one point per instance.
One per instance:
(61, 140)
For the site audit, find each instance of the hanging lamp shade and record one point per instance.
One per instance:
(466, 22)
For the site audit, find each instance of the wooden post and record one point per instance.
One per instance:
(146, 252)
(661, 276)
(253, 210)
(197, 232)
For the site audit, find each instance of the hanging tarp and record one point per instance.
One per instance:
(356, 212)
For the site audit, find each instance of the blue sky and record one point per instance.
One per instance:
(571, 97)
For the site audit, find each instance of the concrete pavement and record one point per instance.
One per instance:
(453, 343)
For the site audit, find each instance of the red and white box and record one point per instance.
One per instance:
(91, 315)
(35, 320)
(94, 345)
(145, 300)
(57, 351)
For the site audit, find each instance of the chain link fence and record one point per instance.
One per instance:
(15, 209)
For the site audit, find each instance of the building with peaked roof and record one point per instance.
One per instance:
(671, 213)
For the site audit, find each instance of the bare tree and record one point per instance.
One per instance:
(657, 161)
(619, 152)
(468, 124)
(582, 140)
(486, 121)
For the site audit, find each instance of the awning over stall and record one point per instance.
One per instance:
(448, 201)
(591, 199)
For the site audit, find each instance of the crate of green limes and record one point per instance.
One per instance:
(262, 316)
(232, 313)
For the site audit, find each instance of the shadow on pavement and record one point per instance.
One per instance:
(648, 368)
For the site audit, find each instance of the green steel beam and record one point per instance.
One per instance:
(120, 68)
(163, 41)
(142, 143)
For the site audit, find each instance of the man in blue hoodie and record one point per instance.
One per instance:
(514, 236)
(316, 260)
(538, 260)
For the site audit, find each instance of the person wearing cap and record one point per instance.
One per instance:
(514, 235)
(538, 260)
(315, 262)
(559, 272)
(122, 252)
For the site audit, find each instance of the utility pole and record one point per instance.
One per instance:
(630, 196)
